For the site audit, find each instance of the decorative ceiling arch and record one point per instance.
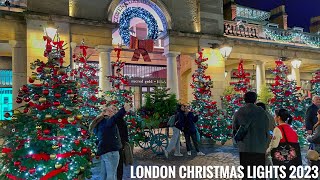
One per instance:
(117, 6)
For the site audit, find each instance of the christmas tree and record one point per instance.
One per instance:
(315, 82)
(211, 122)
(88, 86)
(47, 139)
(286, 96)
(235, 100)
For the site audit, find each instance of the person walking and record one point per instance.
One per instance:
(190, 132)
(311, 114)
(252, 147)
(315, 140)
(284, 136)
(109, 143)
(124, 136)
(177, 127)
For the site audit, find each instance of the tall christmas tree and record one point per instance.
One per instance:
(88, 86)
(286, 96)
(234, 101)
(47, 139)
(211, 122)
(315, 82)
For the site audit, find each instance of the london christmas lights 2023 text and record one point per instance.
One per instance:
(205, 172)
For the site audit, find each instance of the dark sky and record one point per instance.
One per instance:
(299, 11)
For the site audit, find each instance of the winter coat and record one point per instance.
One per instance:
(189, 126)
(256, 139)
(123, 131)
(180, 120)
(108, 133)
(311, 117)
(315, 139)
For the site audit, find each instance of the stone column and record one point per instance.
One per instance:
(73, 46)
(172, 72)
(19, 68)
(105, 67)
(295, 71)
(260, 75)
(228, 76)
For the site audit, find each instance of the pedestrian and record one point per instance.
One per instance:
(177, 127)
(284, 138)
(315, 139)
(272, 124)
(124, 136)
(190, 131)
(255, 121)
(109, 143)
(311, 114)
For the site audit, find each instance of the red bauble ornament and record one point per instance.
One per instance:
(26, 110)
(31, 171)
(57, 95)
(69, 91)
(36, 96)
(19, 100)
(56, 103)
(45, 92)
(17, 163)
(23, 168)
(83, 132)
(46, 131)
(77, 142)
(31, 80)
(24, 88)
(84, 150)
(39, 69)
(26, 99)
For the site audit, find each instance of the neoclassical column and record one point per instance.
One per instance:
(260, 74)
(19, 68)
(228, 75)
(295, 71)
(73, 46)
(172, 72)
(105, 67)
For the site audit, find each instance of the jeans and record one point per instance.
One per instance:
(175, 141)
(109, 164)
(193, 136)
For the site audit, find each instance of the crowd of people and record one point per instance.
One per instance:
(259, 135)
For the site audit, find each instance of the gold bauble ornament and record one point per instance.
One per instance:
(70, 119)
(58, 166)
(53, 156)
(93, 155)
(48, 116)
(13, 118)
(55, 147)
(16, 112)
(70, 95)
(33, 76)
(38, 127)
(60, 107)
(79, 116)
(42, 99)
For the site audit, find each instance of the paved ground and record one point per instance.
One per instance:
(216, 155)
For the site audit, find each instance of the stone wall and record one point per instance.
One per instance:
(211, 14)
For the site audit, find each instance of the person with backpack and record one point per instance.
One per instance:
(177, 123)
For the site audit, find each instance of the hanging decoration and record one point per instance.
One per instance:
(141, 47)
(137, 12)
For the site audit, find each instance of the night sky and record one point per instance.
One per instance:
(299, 11)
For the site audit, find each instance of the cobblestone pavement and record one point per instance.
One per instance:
(216, 155)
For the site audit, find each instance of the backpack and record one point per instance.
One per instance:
(172, 121)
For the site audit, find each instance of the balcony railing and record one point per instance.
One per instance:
(232, 28)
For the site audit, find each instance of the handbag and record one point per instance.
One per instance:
(128, 156)
(312, 155)
(286, 153)
(242, 132)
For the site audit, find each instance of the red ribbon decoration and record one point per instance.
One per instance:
(141, 47)
(84, 49)
(55, 172)
(12, 177)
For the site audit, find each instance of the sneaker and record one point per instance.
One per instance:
(189, 153)
(200, 154)
(178, 155)
(166, 154)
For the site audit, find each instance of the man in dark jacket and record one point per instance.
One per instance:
(253, 147)
(123, 130)
(109, 143)
(311, 114)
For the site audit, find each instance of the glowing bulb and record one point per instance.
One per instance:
(30, 152)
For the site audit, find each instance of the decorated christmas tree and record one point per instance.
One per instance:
(286, 96)
(88, 86)
(47, 139)
(315, 82)
(235, 100)
(211, 122)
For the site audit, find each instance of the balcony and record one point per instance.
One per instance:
(13, 5)
(269, 34)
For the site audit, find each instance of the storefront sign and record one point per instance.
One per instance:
(146, 82)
